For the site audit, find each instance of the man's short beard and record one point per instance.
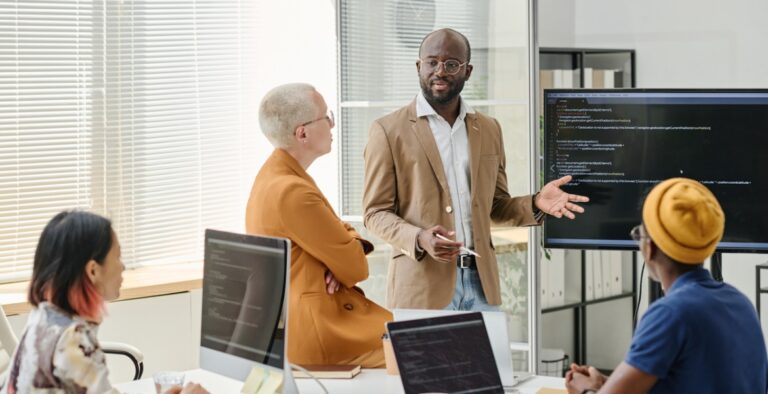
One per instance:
(454, 92)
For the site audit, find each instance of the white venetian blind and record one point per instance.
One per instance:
(132, 109)
(46, 118)
(174, 102)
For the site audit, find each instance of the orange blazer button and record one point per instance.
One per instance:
(449, 209)
(348, 307)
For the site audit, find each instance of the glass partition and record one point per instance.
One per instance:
(378, 48)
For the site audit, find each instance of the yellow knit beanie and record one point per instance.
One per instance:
(684, 219)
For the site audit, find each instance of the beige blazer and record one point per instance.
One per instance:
(406, 191)
(322, 328)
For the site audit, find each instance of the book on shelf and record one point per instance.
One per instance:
(556, 278)
(588, 75)
(589, 267)
(544, 283)
(618, 79)
(546, 81)
(615, 260)
(597, 274)
(327, 371)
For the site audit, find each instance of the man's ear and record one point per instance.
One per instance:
(91, 270)
(418, 66)
(468, 72)
(647, 250)
(653, 249)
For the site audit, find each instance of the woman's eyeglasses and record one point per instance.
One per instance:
(329, 118)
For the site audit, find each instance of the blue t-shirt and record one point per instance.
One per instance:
(702, 337)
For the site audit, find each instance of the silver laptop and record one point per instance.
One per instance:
(245, 288)
(496, 326)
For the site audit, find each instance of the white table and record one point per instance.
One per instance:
(369, 381)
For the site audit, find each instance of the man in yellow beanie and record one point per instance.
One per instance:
(703, 336)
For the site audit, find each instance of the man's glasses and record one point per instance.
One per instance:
(449, 66)
(637, 234)
(329, 118)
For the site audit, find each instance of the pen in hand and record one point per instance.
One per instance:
(461, 248)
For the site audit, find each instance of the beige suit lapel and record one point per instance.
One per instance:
(420, 127)
(475, 141)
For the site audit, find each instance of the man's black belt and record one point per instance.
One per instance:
(465, 261)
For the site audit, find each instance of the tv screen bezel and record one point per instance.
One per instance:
(601, 244)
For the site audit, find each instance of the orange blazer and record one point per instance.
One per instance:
(322, 328)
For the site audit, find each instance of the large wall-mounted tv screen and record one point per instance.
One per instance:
(619, 143)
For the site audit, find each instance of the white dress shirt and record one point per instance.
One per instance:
(453, 145)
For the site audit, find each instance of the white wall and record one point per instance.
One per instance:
(679, 44)
(297, 43)
(682, 43)
(556, 24)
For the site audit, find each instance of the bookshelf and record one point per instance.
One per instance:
(577, 281)
(565, 68)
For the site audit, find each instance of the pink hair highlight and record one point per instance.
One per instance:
(85, 299)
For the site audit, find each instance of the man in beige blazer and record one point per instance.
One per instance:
(436, 168)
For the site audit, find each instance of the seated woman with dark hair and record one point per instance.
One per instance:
(77, 268)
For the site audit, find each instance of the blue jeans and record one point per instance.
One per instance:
(468, 295)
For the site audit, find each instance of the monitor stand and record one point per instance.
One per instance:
(716, 266)
(289, 384)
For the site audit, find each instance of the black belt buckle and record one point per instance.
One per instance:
(465, 261)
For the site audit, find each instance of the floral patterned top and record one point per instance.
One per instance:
(58, 353)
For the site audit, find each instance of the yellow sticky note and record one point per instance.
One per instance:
(273, 384)
(549, 390)
(254, 380)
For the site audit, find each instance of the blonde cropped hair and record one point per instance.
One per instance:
(283, 109)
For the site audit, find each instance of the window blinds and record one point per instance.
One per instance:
(173, 101)
(379, 43)
(132, 109)
(47, 54)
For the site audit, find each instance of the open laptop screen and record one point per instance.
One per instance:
(244, 287)
(450, 354)
(495, 325)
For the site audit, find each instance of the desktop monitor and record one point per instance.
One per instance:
(245, 287)
(619, 143)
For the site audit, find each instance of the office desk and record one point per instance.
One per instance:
(369, 381)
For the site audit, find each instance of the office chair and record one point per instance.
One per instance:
(132, 352)
(8, 343)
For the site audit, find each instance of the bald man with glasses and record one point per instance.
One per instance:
(435, 179)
